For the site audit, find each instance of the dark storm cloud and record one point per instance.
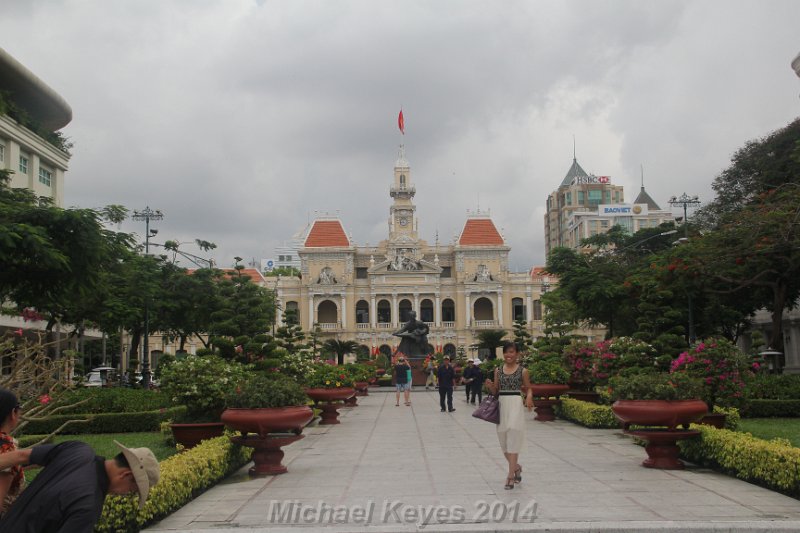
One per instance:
(242, 119)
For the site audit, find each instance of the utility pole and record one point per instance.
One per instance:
(686, 201)
(147, 215)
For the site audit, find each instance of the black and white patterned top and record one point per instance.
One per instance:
(510, 382)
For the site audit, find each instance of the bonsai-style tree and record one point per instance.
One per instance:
(340, 348)
(522, 336)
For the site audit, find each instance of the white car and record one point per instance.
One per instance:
(100, 376)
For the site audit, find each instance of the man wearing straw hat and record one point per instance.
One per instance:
(68, 494)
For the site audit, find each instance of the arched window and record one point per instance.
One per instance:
(386, 350)
(291, 313)
(362, 312)
(384, 312)
(402, 181)
(450, 349)
(426, 310)
(518, 308)
(448, 310)
(405, 309)
(327, 312)
(483, 309)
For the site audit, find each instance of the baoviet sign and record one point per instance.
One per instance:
(591, 179)
(621, 210)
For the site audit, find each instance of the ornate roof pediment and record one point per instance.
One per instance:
(417, 267)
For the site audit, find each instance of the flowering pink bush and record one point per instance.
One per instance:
(722, 368)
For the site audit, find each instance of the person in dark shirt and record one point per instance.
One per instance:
(68, 494)
(475, 388)
(446, 375)
(401, 374)
(468, 378)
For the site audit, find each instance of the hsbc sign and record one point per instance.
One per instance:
(591, 180)
(621, 210)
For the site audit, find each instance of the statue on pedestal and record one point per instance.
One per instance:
(414, 337)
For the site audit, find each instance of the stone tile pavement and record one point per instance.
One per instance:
(387, 468)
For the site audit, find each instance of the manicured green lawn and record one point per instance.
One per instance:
(104, 446)
(769, 428)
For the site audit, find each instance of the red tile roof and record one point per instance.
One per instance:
(480, 231)
(252, 273)
(326, 233)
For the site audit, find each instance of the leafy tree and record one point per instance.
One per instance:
(522, 337)
(490, 339)
(290, 336)
(289, 272)
(340, 348)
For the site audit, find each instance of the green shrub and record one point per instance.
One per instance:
(114, 400)
(771, 409)
(587, 414)
(773, 387)
(774, 463)
(655, 386)
(732, 419)
(548, 370)
(183, 477)
(105, 422)
(261, 391)
(201, 383)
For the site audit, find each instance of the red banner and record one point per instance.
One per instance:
(400, 123)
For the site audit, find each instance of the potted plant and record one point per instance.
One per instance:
(361, 375)
(548, 378)
(327, 385)
(265, 406)
(201, 384)
(581, 360)
(721, 366)
(657, 399)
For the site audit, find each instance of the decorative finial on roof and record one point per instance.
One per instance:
(574, 157)
(642, 167)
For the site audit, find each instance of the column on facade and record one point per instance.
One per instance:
(467, 309)
(500, 308)
(395, 311)
(416, 305)
(373, 312)
(278, 313)
(529, 308)
(437, 311)
(310, 312)
(344, 311)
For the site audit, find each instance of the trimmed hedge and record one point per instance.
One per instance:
(114, 400)
(771, 463)
(183, 477)
(772, 409)
(587, 414)
(105, 422)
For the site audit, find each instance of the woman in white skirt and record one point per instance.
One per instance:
(510, 381)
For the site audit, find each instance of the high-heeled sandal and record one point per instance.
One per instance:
(510, 483)
(518, 474)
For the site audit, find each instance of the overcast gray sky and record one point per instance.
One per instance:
(239, 118)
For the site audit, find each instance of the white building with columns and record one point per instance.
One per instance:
(364, 293)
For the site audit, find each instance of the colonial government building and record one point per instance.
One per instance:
(360, 293)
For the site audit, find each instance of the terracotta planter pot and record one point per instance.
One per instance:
(547, 390)
(267, 453)
(585, 396)
(669, 413)
(190, 435)
(662, 447)
(327, 400)
(268, 420)
(544, 409)
(716, 420)
(361, 388)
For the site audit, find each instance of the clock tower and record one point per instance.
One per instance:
(403, 212)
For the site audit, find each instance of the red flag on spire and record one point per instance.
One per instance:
(400, 123)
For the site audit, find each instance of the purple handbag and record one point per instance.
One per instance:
(488, 410)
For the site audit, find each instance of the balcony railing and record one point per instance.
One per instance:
(448, 324)
(365, 325)
(384, 325)
(484, 323)
(328, 325)
(430, 324)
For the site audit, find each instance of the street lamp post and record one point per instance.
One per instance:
(686, 201)
(147, 215)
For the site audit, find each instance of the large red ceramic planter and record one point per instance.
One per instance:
(545, 397)
(585, 396)
(268, 420)
(547, 390)
(669, 413)
(190, 435)
(285, 424)
(327, 400)
(361, 388)
(662, 446)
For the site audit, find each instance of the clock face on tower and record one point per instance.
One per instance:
(403, 221)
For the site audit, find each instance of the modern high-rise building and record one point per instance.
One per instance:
(585, 205)
(31, 113)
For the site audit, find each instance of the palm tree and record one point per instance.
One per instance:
(340, 348)
(490, 339)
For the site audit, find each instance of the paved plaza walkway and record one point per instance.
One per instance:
(387, 468)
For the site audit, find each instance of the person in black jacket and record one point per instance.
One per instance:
(68, 494)
(468, 379)
(477, 383)
(447, 376)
